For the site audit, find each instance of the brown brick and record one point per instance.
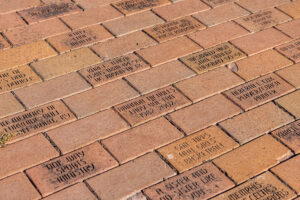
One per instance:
(291, 74)
(292, 9)
(257, 5)
(10, 20)
(9, 105)
(3, 43)
(291, 28)
(160, 76)
(291, 103)
(291, 50)
(203, 114)
(11, 6)
(215, 3)
(143, 172)
(89, 4)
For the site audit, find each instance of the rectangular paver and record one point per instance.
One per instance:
(10, 20)
(291, 74)
(9, 105)
(291, 103)
(216, 3)
(292, 9)
(291, 28)
(3, 43)
(291, 50)
(257, 5)
(10, 6)
(89, 4)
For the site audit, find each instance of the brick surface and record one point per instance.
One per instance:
(215, 3)
(10, 20)
(143, 172)
(291, 50)
(138, 196)
(256, 5)
(88, 4)
(10, 6)
(292, 9)
(262, 154)
(3, 43)
(9, 105)
(204, 113)
(291, 103)
(291, 28)
(291, 74)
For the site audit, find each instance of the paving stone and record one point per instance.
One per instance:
(261, 64)
(143, 172)
(100, 98)
(80, 38)
(138, 196)
(208, 84)
(291, 50)
(168, 51)
(18, 187)
(175, 28)
(259, 91)
(152, 105)
(194, 149)
(10, 20)
(201, 182)
(11, 6)
(73, 167)
(123, 45)
(291, 103)
(291, 74)
(161, 76)
(252, 158)
(215, 3)
(3, 43)
(203, 114)
(65, 63)
(291, 28)
(292, 9)
(264, 186)
(257, 5)
(9, 105)
(180, 9)
(89, 4)
(213, 57)
(26, 153)
(263, 19)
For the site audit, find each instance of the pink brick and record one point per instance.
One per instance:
(9, 105)
(256, 5)
(9, 21)
(89, 4)
(10, 6)
(3, 43)
(291, 28)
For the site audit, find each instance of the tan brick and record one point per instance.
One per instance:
(65, 63)
(137, 196)
(215, 3)
(291, 50)
(100, 98)
(160, 76)
(203, 114)
(10, 20)
(143, 172)
(180, 9)
(92, 16)
(73, 167)
(123, 45)
(3, 43)
(168, 51)
(204, 182)
(11, 6)
(39, 31)
(292, 9)
(132, 23)
(9, 105)
(89, 4)
(25, 154)
(18, 187)
(291, 74)
(257, 5)
(22, 55)
(80, 38)
(261, 64)
(291, 28)
(291, 103)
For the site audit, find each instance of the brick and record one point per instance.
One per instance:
(85, 131)
(36, 120)
(138, 196)
(212, 58)
(18, 187)
(39, 31)
(73, 167)
(263, 186)
(167, 51)
(123, 45)
(100, 98)
(259, 91)
(291, 28)
(175, 28)
(291, 74)
(22, 55)
(203, 114)
(215, 3)
(208, 84)
(292, 9)
(132, 23)
(89, 4)
(203, 182)
(10, 20)
(11, 6)
(291, 50)
(263, 20)
(9, 105)
(92, 16)
(194, 149)
(290, 135)
(291, 103)
(257, 5)
(180, 9)
(80, 38)
(261, 64)
(221, 14)
(3, 43)
(260, 41)
(143, 172)
(65, 63)
(26, 153)
(160, 76)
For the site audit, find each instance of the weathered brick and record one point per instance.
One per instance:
(11, 6)
(89, 4)
(291, 103)
(216, 3)
(9, 105)
(10, 20)
(292, 9)
(291, 28)
(257, 5)
(291, 50)
(291, 74)
(3, 43)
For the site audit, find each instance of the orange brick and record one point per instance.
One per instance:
(215, 3)
(257, 5)
(252, 158)
(3, 43)
(291, 50)
(9, 105)
(10, 6)
(291, 28)
(180, 9)
(292, 9)
(11, 20)
(203, 114)
(168, 51)
(291, 74)
(160, 76)
(137, 196)
(100, 98)
(89, 4)
(291, 103)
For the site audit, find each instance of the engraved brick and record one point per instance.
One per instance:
(152, 105)
(3, 43)
(291, 103)
(143, 172)
(201, 182)
(89, 4)
(203, 114)
(25, 154)
(100, 98)
(160, 76)
(10, 20)
(291, 28)
(194, 149)
(215, 3)
(259, 91)
(291, 50)
(291, 74)
(65, 63)
(257, 5)
(292, 9)
(9, 105)
(11, 6)
(175, 28)
(113, 69)
(80, 38)
(213, 57)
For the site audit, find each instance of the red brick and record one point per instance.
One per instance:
(292, 9)
(9, 105)
(291, 74)
(291, 28)
(3, 43)
(291, 50)
(10, 6)
(9, 21)
(256, 5)
(216, 3)
(89, 4)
